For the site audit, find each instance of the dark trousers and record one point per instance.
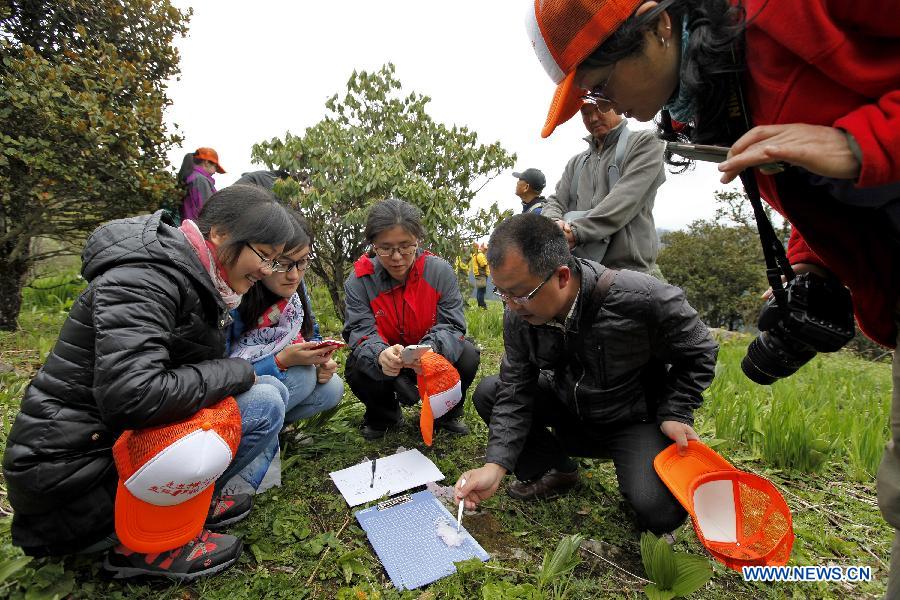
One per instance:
(557, 434)
(479, 296)
(383, 397)
(480, 289)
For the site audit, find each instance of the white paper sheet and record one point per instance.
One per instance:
(393, 474)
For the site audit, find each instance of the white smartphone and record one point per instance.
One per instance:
(413, 352)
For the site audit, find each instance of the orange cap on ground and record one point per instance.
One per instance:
(741, 518)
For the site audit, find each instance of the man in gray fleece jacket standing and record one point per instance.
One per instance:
(614, 186)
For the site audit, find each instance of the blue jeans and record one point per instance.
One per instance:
(306, 397)
(262, 416)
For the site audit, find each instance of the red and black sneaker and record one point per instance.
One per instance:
(228, 509)
(206, 554)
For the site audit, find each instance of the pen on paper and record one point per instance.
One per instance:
(371, 485)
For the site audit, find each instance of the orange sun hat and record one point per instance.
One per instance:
(741, 518)
(440, 390)
(166, 476)
(565, 32)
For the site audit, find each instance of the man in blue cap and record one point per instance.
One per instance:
(529, 186)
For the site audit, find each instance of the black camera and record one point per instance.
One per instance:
(817, 317)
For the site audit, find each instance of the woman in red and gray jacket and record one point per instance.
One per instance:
(397, 295)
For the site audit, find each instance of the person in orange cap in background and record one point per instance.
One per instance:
(810, 83)
(196, 175)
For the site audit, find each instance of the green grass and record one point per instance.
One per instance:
(54, 291)
(818, 436)
(834, 408)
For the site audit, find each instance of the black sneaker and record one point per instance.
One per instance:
(206, 554)
(228, 509)
(457, 426)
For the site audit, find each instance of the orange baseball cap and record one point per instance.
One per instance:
(741, 518)
(166, 476)
(565, 32)
(210, 155)
(440, 389)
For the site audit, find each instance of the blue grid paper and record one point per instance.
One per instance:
(404, 538)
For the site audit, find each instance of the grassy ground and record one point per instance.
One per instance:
(817, 436)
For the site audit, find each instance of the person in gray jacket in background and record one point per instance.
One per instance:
(604, 200)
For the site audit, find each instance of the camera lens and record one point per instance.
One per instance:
(771, 357)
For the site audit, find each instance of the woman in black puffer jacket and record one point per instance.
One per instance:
(144, 345)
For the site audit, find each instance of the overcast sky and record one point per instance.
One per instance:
(251, 71)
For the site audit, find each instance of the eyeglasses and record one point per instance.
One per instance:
(301, 265)
(266, 263)
(598, 94)
(525, 299)
(406, 250)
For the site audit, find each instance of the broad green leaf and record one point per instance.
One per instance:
(351, 563)
(262, 551)
(654, 593)
(469, 566)
(663, 565)
(648, 544)
(504, 590)
(12, 566)
(693, 573)
(561, 561)
(51, 582)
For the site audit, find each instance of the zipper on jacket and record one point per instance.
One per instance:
(580, 379)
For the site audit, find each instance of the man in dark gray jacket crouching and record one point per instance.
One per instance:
(598, 363)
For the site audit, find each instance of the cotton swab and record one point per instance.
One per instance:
(459, 512)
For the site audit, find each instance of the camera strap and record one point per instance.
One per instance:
(776, 259)
(777, 264)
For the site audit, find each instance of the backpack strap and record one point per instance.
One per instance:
(576, 177)
(612, 171)
(601, 290)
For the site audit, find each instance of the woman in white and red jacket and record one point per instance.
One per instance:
(399, 294)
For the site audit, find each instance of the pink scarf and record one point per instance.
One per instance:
(206, 253)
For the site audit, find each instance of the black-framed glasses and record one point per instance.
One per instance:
(527, 298)
(598, 94)
(406, 250)
(301, 265)
(267, 263)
